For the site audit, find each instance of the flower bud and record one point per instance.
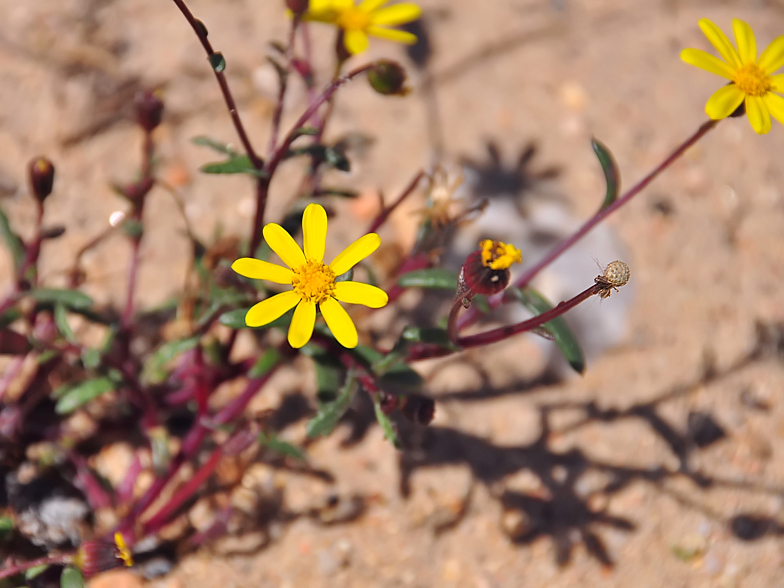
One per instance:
(298, 7)
(149, 108)
(388, 78)
(418, 409)
(41, 178)
(486, 271)
(101, 555)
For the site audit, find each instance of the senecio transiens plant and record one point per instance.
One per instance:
(134, 389)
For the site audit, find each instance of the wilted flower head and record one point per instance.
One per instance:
(752, 82)
(102, 555)
(314, 283)
(486, 270)
(370, 17)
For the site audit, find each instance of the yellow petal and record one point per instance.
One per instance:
(339, 323)
(358, 293)
(302, 324)
(775, 104)
(773, 57)
(355, 41)
(314, 231)
(396, 15)
(371, 5)
(262, 270)
(719, 40)
(758, 114)
(355, 253)
(284, 245)
(777, 83)
(707, 62)
(341, 5)
(724, 102)
(392, 35)
(747, 44)
(270, 309)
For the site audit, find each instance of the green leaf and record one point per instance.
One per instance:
(217, 61)
(70, 299)
(268, 360)
(12, 241)
(234, 319)
(390, 431)
(329, 155)
(347, 277)
(204, 141)
(611, 174)
(71, 578)
(398, 376)
(91, 358)
(428, 335)
(81, 394)
(31, 573)
(154, 371)
(304, 131)
(237, 164)
(9, 316)
(61, 320)
(278, 445)
(563, 335)
(329, 374)
(436, 277)
(329, 413)
(7, 526)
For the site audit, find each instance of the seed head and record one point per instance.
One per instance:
(616, 274)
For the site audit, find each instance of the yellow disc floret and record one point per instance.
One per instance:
(314, 281)
(123, 552)
(499, 256)
(753, 80)
(354, 19)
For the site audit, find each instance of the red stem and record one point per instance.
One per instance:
(473, 314)
(55, 560)
(384, 214)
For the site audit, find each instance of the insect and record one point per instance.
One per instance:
(616, 274)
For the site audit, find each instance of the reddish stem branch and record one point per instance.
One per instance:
(473, 315)
(55, 560)
(387, 210)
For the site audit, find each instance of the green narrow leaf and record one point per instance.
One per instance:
(7, 526)
(304, 131)
(31, 573)
(436, 277)
(268, 360)
(217, 61)
(611, 174)
(329, 413)
(563, 335)
(234, 319)
(154, 371)
(390, 431)
(11, 240)
(237, 164)
(330, 374)
(61, 320)
(70, 299)
(204, 141)
(430, 335)
(275, 443)
(395, 376)
(81, 394)
(71, 578)
(91, 358)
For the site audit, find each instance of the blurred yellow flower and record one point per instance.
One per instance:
(751, 80)
(370, 17)
(314, 283)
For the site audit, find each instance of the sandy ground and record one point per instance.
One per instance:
(662, 466)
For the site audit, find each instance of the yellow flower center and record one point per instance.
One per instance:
(314, 281)
(499, 256)
(354, 19)
(123, 552)
(753, 80)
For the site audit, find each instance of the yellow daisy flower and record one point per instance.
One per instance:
(314, 283)
(370, 17)
(752, 79)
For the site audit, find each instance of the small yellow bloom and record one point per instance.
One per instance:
(370, 17)
(751, 79)
(499, 256)
(313, 281)
(123, 552)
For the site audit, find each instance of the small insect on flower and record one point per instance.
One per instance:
(616, 274)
